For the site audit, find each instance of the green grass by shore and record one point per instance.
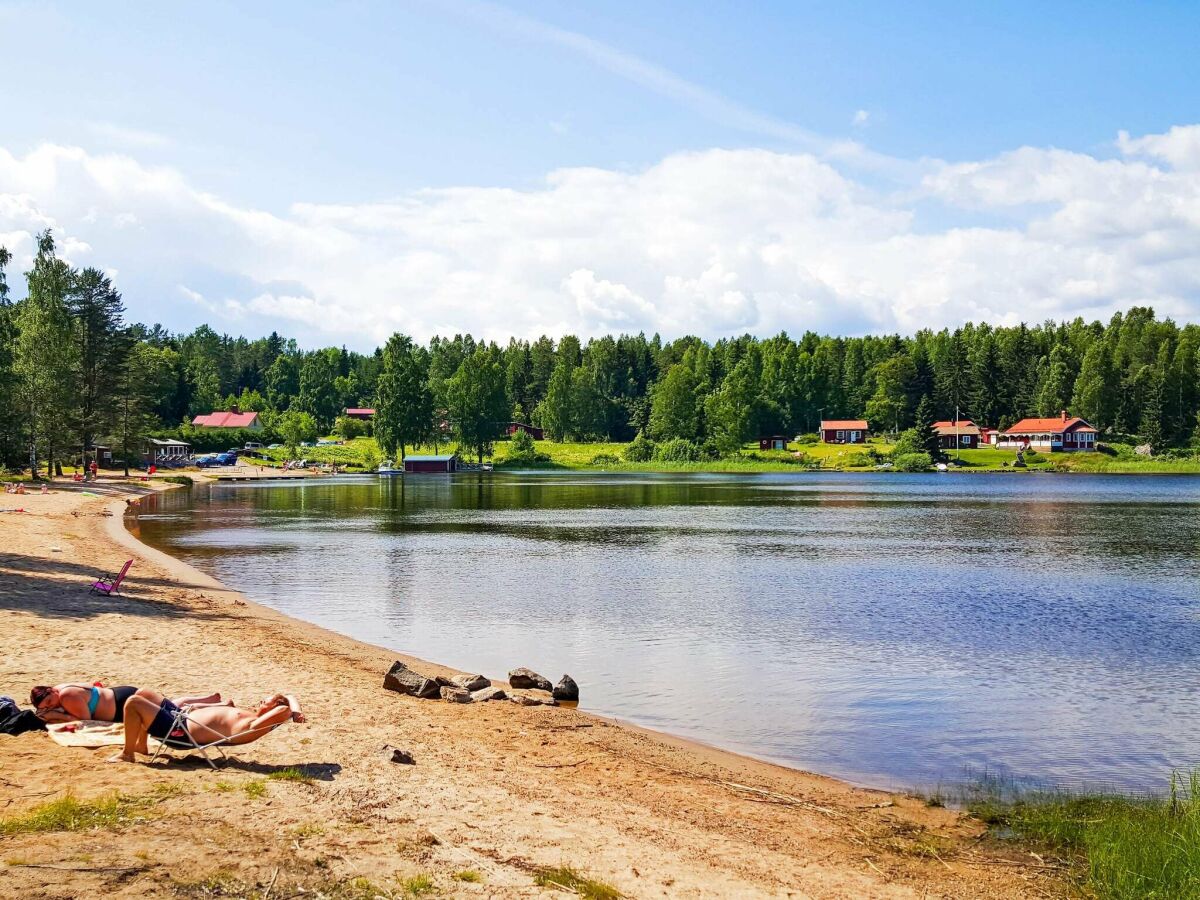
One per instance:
(610, 457)
(1113, 847)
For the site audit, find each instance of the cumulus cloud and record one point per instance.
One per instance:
(714, 243)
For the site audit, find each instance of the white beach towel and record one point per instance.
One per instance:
(90, 734)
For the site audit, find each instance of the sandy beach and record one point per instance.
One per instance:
(497, 789)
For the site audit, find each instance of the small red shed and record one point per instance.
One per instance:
(362, 413)
(440, 463)
(532, 430)
(773, 442)
(844, 431)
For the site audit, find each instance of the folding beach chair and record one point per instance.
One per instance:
(180, 738)
(112, 585)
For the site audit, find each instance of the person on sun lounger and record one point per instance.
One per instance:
(68, 702)
(150, 713)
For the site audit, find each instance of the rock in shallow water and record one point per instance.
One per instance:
(566, 690)
(403, 680)
(532, 698)
(523, 678)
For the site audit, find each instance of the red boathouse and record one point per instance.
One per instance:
(441, 463)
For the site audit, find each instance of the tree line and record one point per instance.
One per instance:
(74, 372)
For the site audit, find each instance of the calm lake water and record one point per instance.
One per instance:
(893, 630)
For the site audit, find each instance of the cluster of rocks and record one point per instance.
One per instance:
(528, 688)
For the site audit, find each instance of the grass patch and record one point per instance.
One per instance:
(255, 789)
(572, 880)
(70, 814)
(418, 886)
(307, 830)
(1118, 847)
(291, 773)
(224, 787)
(470, 876)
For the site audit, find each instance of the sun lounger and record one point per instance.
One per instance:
(112, 585)
(180, 738)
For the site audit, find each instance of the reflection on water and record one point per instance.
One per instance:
(891, 630)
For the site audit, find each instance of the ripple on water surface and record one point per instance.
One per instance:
(892, 630)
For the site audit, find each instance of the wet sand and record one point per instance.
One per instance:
(497, 789)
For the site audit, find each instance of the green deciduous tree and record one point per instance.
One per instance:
(296, 427)
(674, 408)
(45, 353)
(1094, 397)
(403, 399)
(889, 406)
(318, 393)
(731, 412)
(477, 402)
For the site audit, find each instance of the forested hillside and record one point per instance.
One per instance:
(73, 371)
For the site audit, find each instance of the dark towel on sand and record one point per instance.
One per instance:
(14, 720)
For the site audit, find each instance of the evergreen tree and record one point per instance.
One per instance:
(926, 437)
(102, 349)
(10, 409)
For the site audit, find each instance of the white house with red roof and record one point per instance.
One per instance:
(234, 418)
(1063, 432)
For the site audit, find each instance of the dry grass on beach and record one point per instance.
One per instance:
(503, 801)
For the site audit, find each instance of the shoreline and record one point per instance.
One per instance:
(498, 789)
(118, 529)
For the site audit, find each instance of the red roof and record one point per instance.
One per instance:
(227, 420)
(360, 411)
(964, 423)
(1053, 425)
(844, 424)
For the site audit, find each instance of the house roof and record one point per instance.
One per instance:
(1052, 425)
(950, 429)
(439, 457)
(851, 424)
(226, 420)
(168, 442)
(360, 411)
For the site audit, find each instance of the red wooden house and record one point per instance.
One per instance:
(532, 430)
(1061, 432)
(844, 431)
(442, 462)
(961, 435)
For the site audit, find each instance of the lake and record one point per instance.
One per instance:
(894, 630)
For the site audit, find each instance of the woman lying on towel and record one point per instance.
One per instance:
(68, 702)
(150, 713)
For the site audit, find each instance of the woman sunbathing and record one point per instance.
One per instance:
(68, 702)
(150, 713)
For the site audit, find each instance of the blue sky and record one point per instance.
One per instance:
(268, 105)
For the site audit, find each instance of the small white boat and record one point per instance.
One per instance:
(387, 469)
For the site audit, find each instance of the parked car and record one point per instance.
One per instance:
(207, 460)
(226, 459)
(252, 445)
(275, 447)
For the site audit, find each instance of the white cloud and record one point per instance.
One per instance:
(861, 118)
(715, 242)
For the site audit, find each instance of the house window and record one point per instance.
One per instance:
(966, 439)
(854, 437)
(841, 435)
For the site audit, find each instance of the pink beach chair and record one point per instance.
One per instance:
(112, 585)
